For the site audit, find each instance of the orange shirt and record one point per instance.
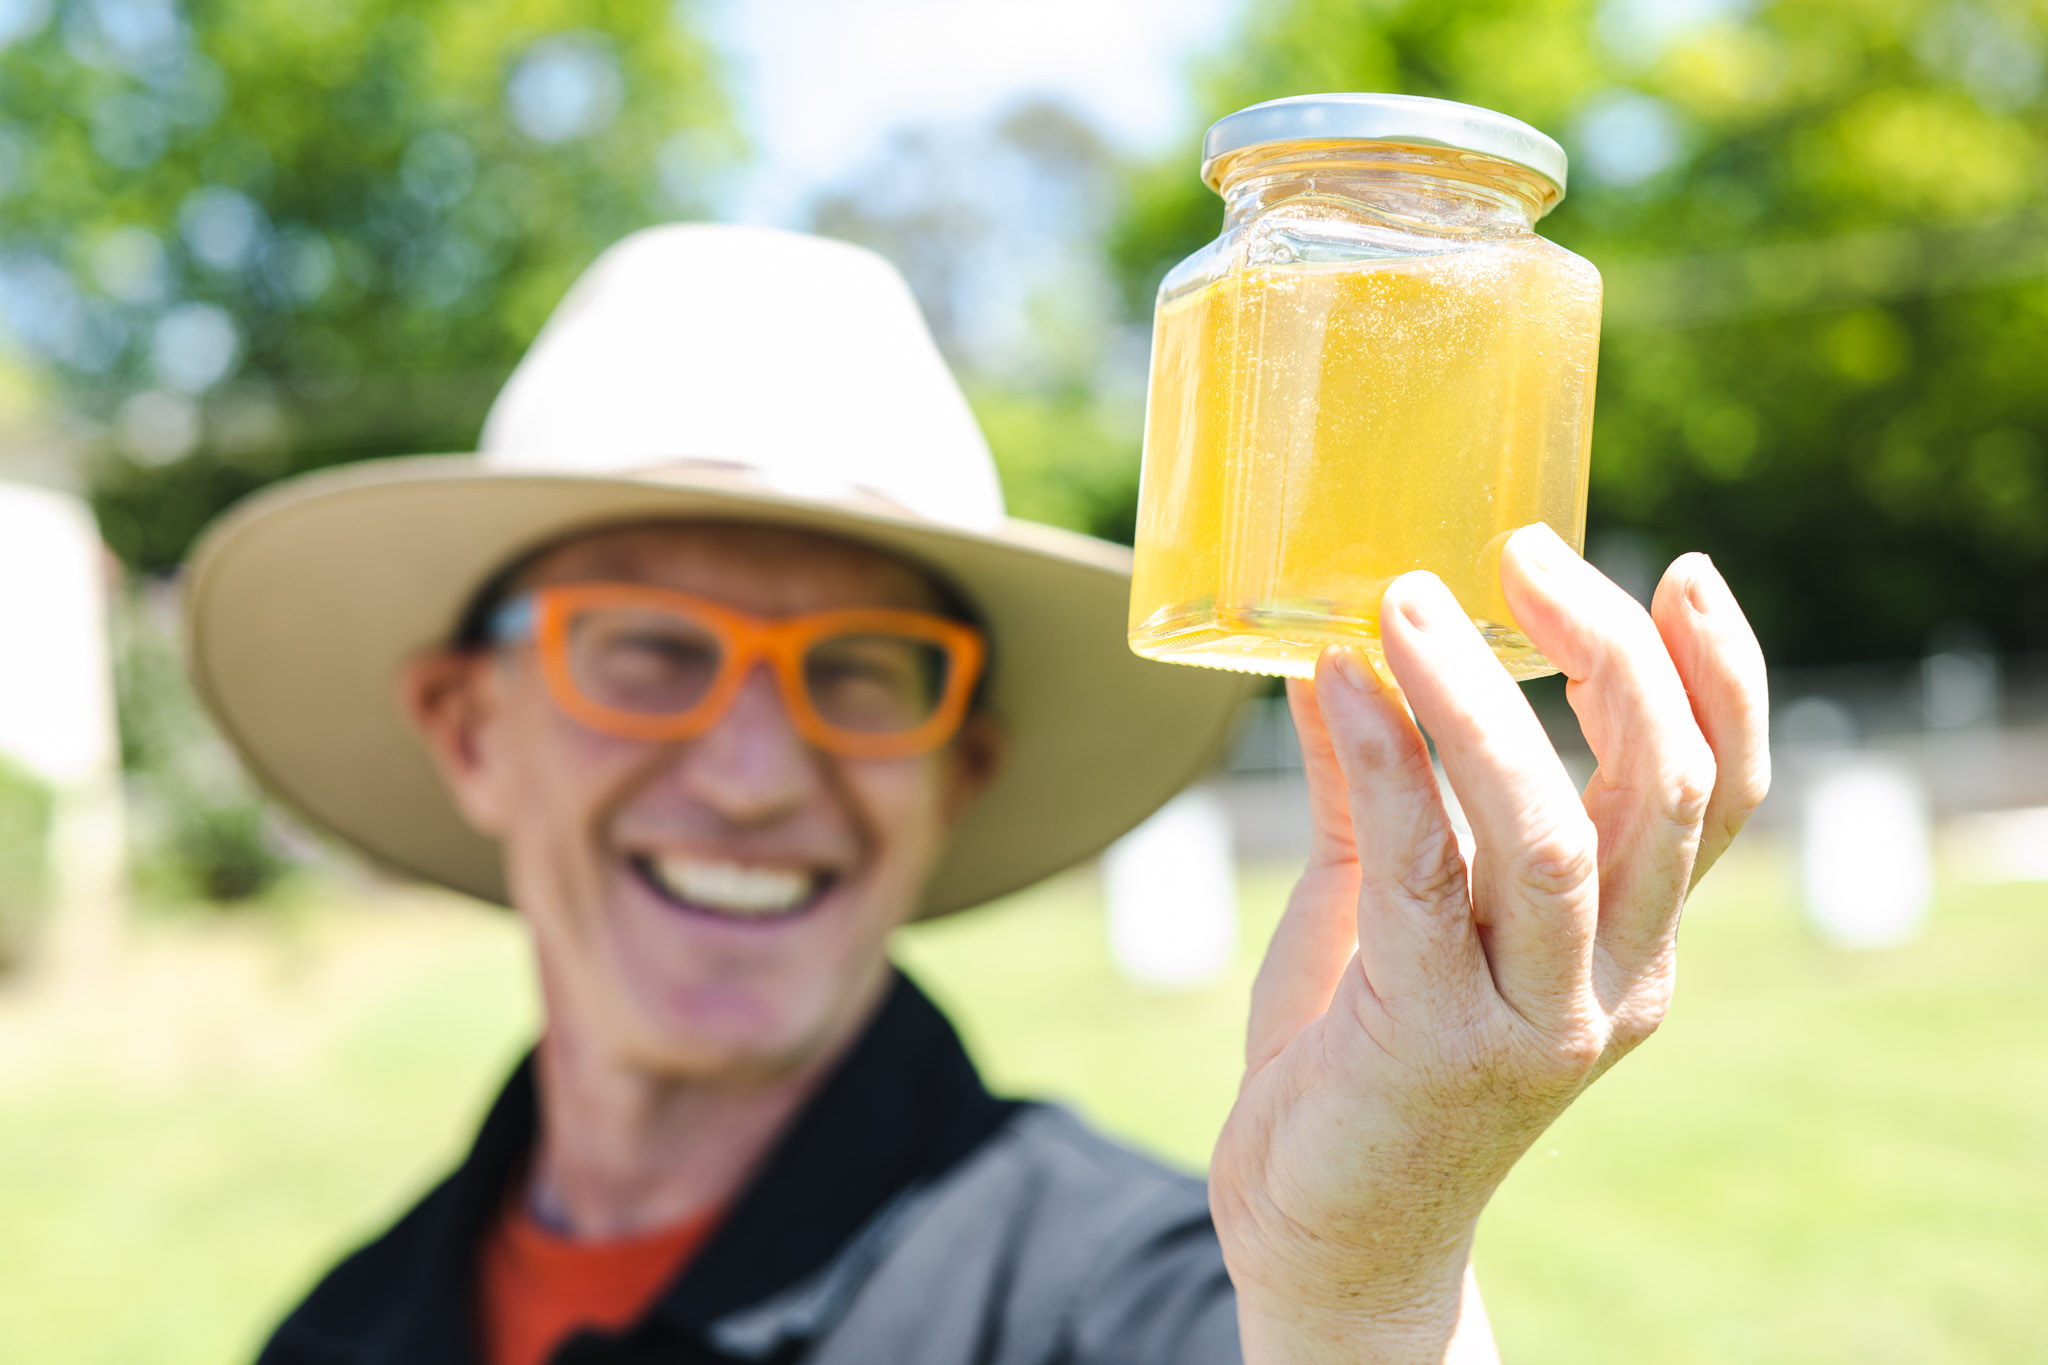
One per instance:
(536, 1288)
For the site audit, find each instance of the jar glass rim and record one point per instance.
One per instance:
(1410, 120)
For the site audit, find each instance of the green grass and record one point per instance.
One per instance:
(183, 1151)
(1820, 1157)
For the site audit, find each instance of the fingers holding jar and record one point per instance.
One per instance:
(1649, 794)
(1722, 666)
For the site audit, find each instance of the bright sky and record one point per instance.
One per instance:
(822, 82)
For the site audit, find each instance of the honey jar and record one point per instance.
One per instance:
(1378, 366)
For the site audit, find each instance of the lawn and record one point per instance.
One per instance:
(1820, 1157)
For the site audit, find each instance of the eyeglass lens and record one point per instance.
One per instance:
(876, 683)
(653, 663)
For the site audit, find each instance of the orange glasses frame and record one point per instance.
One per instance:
(743, 639)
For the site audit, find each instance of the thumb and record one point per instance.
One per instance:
(1317, 934)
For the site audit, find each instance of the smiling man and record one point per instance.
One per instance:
(722, 662)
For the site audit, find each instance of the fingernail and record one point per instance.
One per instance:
(1705, 589)
(1429, 606)
(1541, 542)
(1352, 668)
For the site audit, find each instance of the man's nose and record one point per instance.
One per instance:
(752, 766)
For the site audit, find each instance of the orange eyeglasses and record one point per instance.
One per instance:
(652, 664)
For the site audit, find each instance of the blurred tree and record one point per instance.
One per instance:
(1822, 224)
(998, 227)
(252, 237)
(26, 807)
(199, 829)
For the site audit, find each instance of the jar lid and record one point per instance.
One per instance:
(1412, 119)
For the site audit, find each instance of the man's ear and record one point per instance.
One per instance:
(449, 697)
(977, 752)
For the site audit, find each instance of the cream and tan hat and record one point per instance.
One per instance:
(702, 372)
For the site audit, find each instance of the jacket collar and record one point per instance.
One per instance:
(902, 1108)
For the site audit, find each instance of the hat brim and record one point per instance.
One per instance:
(303, 605)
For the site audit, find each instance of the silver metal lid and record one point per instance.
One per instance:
(1411, 119)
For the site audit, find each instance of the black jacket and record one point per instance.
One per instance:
(908, 1218)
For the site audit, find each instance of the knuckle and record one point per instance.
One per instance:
(1691, 790)
(1436, 876)
(1579, 1048)
(1733, 822)
(1389, 759)
(1561, 862)
(1554, 1069)
(1640, 1018)
(1539, 1068)
(1749, 789)
(1561, 1045)
(1737, 800)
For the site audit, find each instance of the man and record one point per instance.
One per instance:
(722, 662)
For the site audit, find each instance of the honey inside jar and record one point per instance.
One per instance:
(1324, 418)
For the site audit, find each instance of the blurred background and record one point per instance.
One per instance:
(245, 238)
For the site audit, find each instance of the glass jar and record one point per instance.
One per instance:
(1377, 367)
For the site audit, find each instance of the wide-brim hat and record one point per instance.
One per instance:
(695, 372)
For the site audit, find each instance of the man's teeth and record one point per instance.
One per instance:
(732, 888)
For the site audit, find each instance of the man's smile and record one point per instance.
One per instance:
(732, 890)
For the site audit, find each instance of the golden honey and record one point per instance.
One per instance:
(1319, 425)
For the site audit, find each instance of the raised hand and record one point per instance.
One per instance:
(1426, 1010)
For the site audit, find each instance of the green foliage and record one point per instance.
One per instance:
(998, 228)
(1819, 221)
(223, 852)
(1846, 1149)
(1066, 458)
(259, 236)
(25, 811)
(200, 829)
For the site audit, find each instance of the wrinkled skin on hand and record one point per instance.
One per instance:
(1426, 1010)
